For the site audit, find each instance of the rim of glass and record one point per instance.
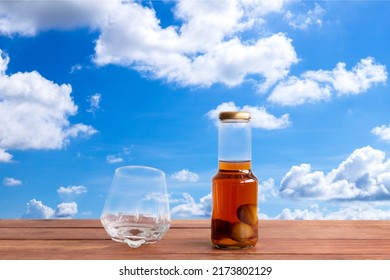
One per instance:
(122, 169)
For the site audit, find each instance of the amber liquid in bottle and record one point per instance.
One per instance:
(234, 223)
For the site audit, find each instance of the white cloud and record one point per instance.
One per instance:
(4, 60)
(360, 78)
(359, 212)
(37, 210)
(35, 113)
(303, 21)
(5, 156)
(257, 8)
(65, 210)
(220, 18)
(70, 190)
(202, 51)
(120, 157)
(295, 91)
(383, 132)
(27, 18)
(315, 86)
(78, 129)
(114, 159)
(76, 67)
(351, 212)
(185, 175)
(206, 23)
(267, 190)
(9, 181)
(94, 102)
(192, 209)
(157, 196)
(364, 175)
(298, 214)
(260, 118)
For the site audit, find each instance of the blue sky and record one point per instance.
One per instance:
(88, 86)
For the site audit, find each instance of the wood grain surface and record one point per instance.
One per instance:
(190, 239)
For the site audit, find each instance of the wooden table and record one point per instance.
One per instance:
(190, 239)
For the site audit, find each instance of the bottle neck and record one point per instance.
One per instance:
(234, 141)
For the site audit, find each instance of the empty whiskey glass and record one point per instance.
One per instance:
(137, 209)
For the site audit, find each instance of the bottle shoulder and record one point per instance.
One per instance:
(235, 174)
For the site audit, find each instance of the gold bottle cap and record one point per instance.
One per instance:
(234, 115)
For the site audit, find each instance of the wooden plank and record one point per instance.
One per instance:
(106, 249)
(267, 230)
(49, 223)
(49, 233)
(325, 229)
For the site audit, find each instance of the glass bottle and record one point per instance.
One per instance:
(234, 221)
